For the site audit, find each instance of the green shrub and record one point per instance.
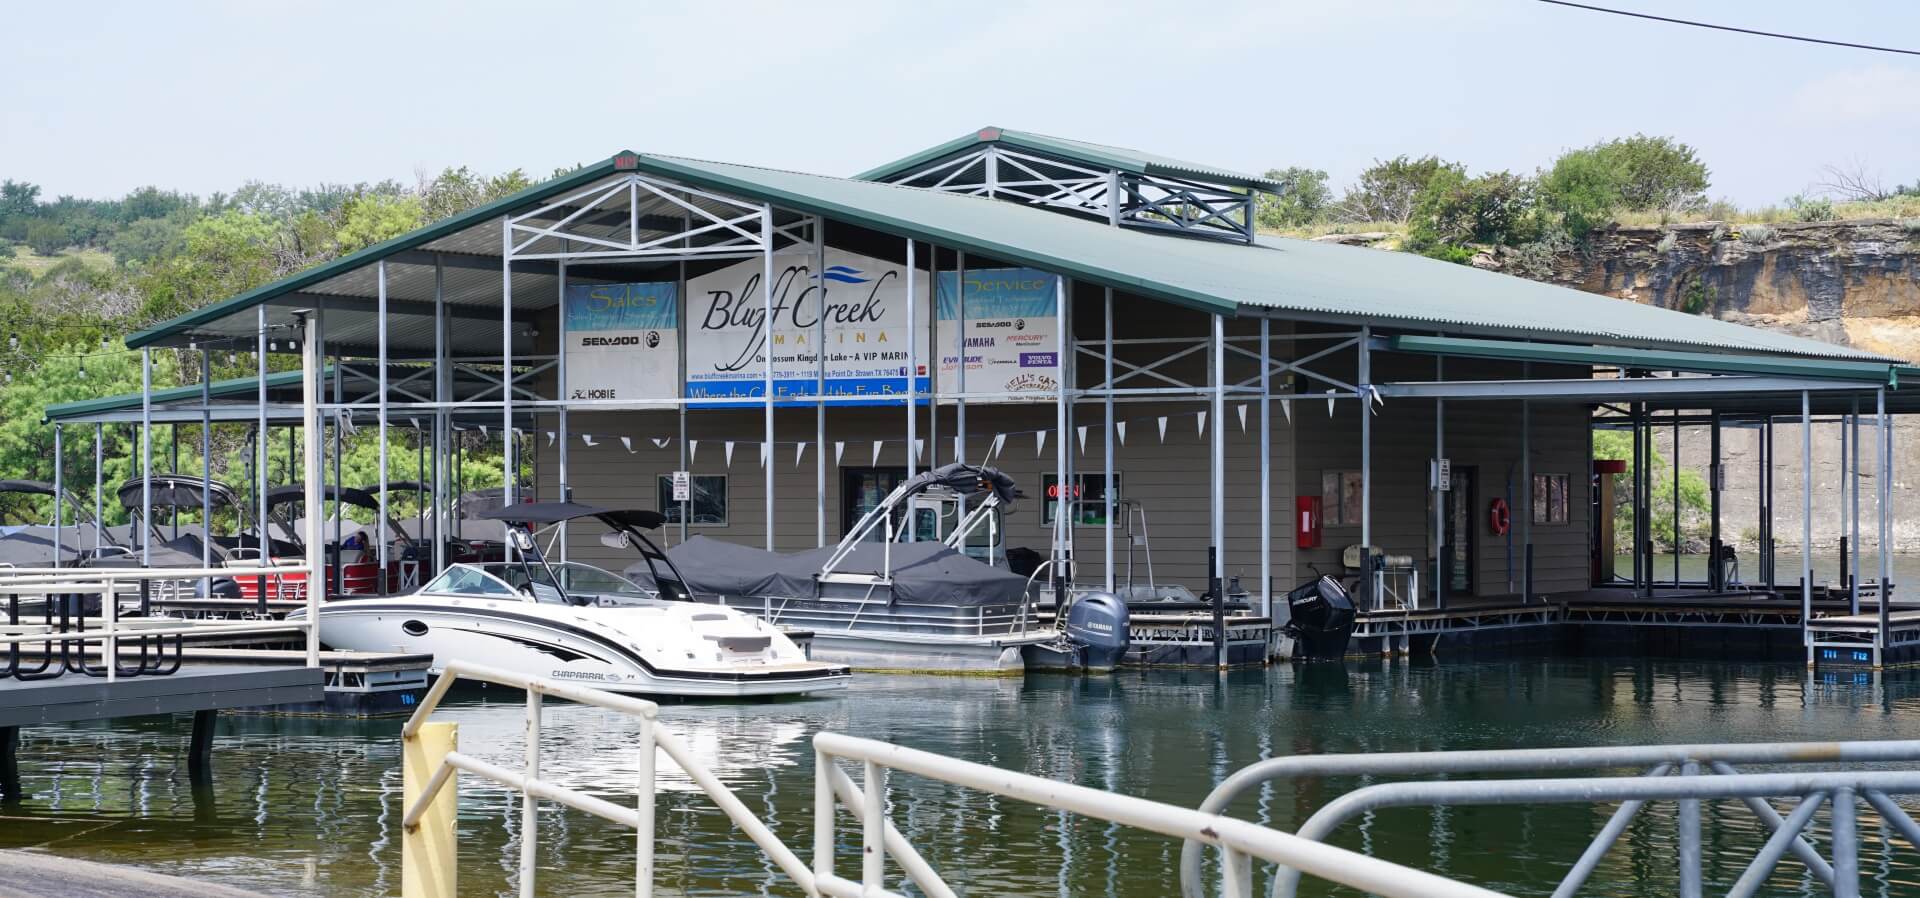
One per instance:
(47, 238)
(1302, 200)
(1388, 190)
(1817, 209)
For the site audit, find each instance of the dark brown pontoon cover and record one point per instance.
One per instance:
(924, 573)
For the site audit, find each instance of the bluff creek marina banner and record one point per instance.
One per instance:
(1010, 335)
(623, 341)
(865, 338)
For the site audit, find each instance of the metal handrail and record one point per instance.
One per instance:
(1720, 757)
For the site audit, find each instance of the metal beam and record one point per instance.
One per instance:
(1589, 389)
(410, 308)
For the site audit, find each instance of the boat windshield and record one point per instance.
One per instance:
(585, 579)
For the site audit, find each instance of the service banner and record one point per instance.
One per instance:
(865, 336)
(623, 341)
(1010, 335)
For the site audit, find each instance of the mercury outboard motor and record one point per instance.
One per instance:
(1097, 626)
(1322, 620)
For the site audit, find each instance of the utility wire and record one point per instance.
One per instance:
(1755, 32)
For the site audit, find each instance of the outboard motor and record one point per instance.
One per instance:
(1097, 626)
(1322, 620)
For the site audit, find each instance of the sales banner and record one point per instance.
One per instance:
(861, 326)
(623, 341)
(1003, 323)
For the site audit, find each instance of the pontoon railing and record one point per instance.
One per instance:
(432, 762)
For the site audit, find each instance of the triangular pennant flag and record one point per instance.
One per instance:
(661, 442)
(1163, 428)
(693, 450)
(839, 449)
(919, 447)
(586, 438)
(1200, 426)
(766, 449)
(729, 448)
(1329, 403)
(1120, 428)
(415, 422)
(1242, 409)
(959, 447)
(483, 432)
(799, 452)
(1039, 442)
(1083, 438)
(999, 440)
(876, 451)
(628, 443)
(551, 436)
(1286, 410)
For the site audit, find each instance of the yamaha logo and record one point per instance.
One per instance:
(653, 339)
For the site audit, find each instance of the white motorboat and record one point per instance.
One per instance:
(577, 622)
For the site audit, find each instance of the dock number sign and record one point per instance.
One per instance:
(682, 486)
(1443, 474)
(623, 341)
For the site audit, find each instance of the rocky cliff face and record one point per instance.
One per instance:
(1855, 283)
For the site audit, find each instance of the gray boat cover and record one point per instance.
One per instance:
(924, 573)
(32, 546)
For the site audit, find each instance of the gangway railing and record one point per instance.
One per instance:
(431, 761)
(1685, 774)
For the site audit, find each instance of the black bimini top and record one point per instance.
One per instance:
(36, 487)
(297, 492)
(555, 512)
(176, 491)
(398, 486)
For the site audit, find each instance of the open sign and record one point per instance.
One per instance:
(1053, 491)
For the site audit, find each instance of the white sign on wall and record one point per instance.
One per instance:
(864, 339)
(622, 341)
(1009, 335)
(682, 486)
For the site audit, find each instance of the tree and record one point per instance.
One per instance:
(18, 199)
(1636, 174)
(1694, 504)
(1386, 190)
(47, 238)
(370, 218)
(1302, 199)
(1452, 211)
(1583, 189)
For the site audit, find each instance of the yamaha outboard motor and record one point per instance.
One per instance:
(1322, 620)
(1097, 626)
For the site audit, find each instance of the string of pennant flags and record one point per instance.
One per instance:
(995, 447)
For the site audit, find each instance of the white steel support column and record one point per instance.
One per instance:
(509, 465)
(146, 462)
(1883, 475)
(1853, 516)
(1062, 513)
(686, 461)
(560, 365)
(766, 340)
(1217, 459)
(820, 383)
(260, 435)
(206, 469)
(1107, 435)
(960, 373)
(311, 369)
(1266, 470)
(442, 432)
(380, 299)
(913, 382)
(1523, 516)
(1439, 495)
(1806, 518)
(1366, 464)
(99, 502)
(59, 493)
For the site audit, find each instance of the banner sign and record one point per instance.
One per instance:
(623, 341)
(1011, 332)
(865, 334)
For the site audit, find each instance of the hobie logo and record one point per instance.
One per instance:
(845, 274)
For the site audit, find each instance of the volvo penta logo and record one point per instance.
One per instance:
(653, 339)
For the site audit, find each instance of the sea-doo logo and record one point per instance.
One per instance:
(610, 341)
(653, 339)
(1020, 324)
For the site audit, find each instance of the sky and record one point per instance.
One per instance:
(99, 98)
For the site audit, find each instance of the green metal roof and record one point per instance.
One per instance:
(219, 389)
(1877, 373)
(1094, 155)
(1290, 278)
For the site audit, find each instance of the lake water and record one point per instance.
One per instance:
(306, 806)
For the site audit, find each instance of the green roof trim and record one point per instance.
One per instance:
(1093, 154)
(1879, 374)
(219, 389)
(410, 240)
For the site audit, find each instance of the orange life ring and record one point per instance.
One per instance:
(1499, 517)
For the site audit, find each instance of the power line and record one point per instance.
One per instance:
(1755, 32)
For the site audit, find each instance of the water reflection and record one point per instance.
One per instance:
(311, 807)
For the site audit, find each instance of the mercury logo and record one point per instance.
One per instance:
(653, 339)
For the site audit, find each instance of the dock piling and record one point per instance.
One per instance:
(427, 849)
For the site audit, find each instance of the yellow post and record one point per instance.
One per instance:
(427, 852)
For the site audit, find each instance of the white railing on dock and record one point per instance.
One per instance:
(49, 583)
(431, 760)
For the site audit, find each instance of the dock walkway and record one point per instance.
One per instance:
(32, 874)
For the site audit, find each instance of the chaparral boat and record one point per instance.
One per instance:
(576, 622)
(874, 602)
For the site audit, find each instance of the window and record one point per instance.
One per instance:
(1089, 499)
(1340, 496)
(708, 501)
(1549, 498)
